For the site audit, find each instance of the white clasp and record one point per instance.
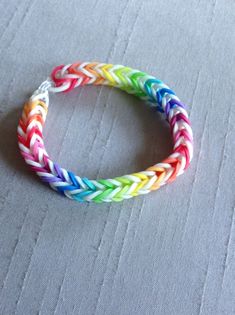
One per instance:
(46, 85)
(42, 91)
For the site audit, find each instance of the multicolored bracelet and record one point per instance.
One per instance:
(148, 88)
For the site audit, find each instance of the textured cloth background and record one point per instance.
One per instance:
(171, 252)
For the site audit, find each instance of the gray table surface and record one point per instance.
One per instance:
(170, 252)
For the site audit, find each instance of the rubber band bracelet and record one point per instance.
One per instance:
(148, 88)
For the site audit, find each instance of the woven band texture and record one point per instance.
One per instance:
(67, 77)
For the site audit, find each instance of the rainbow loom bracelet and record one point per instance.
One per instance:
(148, 88)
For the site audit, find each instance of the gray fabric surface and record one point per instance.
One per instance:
(171, 252)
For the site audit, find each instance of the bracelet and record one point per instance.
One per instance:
(148, 88)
